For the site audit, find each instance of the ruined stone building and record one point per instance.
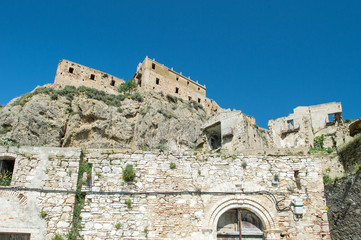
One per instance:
(70, 73)
(299, 128)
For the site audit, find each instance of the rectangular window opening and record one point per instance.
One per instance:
(290, 124)
(112, 83)
(176, 90)
(331, 117)
(188, 83)
(71, 70)
(199, 100)
(157, 81)
(189, 98)
(153, 65)
(92, 76)
(6, 171)
(199, 89)
(177, 78)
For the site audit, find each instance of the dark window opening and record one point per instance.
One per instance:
(290, 124)
(15, 236)
(189, 98)
(177, 78)
(199, 89)
(140, 83)
(157, 81)
(71, 70)
(188, 83)
(176, 90)
(153, 65)
(112, 83)
(92, 76)
(6, 171)
(199, 100)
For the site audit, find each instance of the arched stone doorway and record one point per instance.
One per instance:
(232, 221)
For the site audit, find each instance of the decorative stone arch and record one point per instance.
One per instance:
(268, 216)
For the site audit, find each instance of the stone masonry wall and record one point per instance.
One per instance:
(158, 215)
(181, 203)
(40, 168)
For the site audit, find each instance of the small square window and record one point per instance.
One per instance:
(177, 78)
(153, 65)
(199, 100)
(176, 90)
(199, 89)
(92, 76)
(189, 98)
(112, 83)
(188, 83)
(157, 81)
(71, 70)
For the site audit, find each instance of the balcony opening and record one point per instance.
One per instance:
(153, 65)
(157, 81)
(71, 70)
(176, 90)
(92, 76)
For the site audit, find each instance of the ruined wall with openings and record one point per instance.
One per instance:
(70, 73)
(182, 202)
(300, 127)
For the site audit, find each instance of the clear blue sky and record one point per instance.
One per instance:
(262, 57)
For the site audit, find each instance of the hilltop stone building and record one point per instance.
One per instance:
(74, 74)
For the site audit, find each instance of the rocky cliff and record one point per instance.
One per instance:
(85, 117)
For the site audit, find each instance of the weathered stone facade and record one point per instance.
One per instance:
(70, 73)
(153, 76)
(182, 202)
(299, 128)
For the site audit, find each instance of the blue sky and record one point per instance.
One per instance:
(262, 57)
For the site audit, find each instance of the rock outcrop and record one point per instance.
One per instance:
(71, 118)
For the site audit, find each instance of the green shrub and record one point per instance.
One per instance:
(5, 178)
(128, 173)
(172, 165)
(137, 96)
(348, 121)
(43, 214)
(318, 141)
(171, 98)
(128, 202)
(57, 236)
(166, 114)
(127, 87)
(4, 141)
(117, 226)
(244, 165)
